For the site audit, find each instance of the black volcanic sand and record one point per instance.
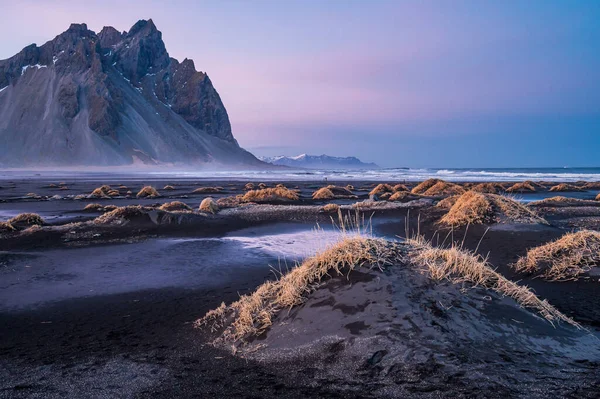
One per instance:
(115, 319)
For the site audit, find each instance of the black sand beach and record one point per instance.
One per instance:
(108, 311)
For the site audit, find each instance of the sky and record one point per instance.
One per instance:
(400, 83)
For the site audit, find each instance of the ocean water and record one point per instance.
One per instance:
(388, 174)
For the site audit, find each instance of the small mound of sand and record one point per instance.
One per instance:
(6, 227)
(593, 185)
(167, 187)
(330, 208)
(488, 188)
(563, 201)
(208, 190)
(400, 187)
(101, 192)
(563, 259)
(270, 194)
(522, 187)
(175, 206)
(381, 189)
(209, 205)
(253, 314)
(401, 196)
(24, 220)
(424, 186)
(99, 208)
(332, 192)
(148, 192)
(121, 215)
(563, 187)
(477, 208)
(443, 188)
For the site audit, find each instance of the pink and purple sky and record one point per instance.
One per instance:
(401, 83)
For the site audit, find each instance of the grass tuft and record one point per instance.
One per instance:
(209, 205)
(563, 259)
(148, 192)
(168, 187)
(562, 201)
(270, 194)
(522, 187)
(488, 188)
(563, 187)
(443, 188)
(424, 186)
(381, 189)
(330, 208)
(26, 219)
(478, 208)
(175, 206)
(208, 190)
(460, 265)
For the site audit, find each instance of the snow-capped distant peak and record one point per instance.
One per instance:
(319, 162)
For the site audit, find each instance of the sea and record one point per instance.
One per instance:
(564, 174)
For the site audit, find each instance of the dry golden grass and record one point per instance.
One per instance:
(208, 190)
(443, 188)
(280, 186)
(33, 195)
(249, 186)
(400, 196)
(381, 189)
(148, 192)
(424, 186)
(175, 206)
(331, 192)
(350, 187)
(26, 219)
(488, 188)
(565, 258)
(522, 187)
(209, 205)
(330, 208)
(252, 314)
(63, 188)
(101, 192)
(113, 193)
(167, 187)
(262, 186)
(563, 187)
(323, 193)
(448, 202)
(230, 202)
(270, 194)
(598, 197)
(6, 227)
(476, 208)
(120, 214)
(400, 187)
(94, 207)
(459, 265)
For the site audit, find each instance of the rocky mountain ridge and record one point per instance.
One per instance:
(111, 98)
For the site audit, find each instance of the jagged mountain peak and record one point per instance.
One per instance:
(110, 98)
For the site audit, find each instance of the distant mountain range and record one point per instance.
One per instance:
(111, 98)
(319, 162)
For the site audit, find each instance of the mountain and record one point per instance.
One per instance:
(112, 98)
(319, 162)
